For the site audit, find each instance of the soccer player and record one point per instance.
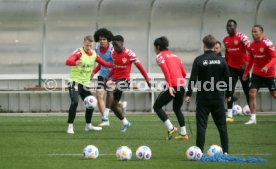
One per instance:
(175, 74)
(103, 36)
(123, 59)
(82, 62)
(212, 74)
(263, 57)
(217, 48)
(236, 47)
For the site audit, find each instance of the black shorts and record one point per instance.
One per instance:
(121, 85)
(257, 82)
(101, 84)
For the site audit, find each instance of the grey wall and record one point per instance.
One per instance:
(48, 31)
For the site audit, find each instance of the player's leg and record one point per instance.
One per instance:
(74, 97)
(101, 104)
(218, 115)
(177, 104)
(245, 86)
(163, 99)
(84, 92)
(115, 107)
(234, 78)
(255, 84)
(271, 84)
(202, 113)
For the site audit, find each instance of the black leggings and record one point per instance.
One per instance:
(203, 109)
(237, 74)
(164, 98)
(74, 95)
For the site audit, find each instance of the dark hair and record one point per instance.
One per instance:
(260, 27)
(209, 41)
(88, 38)
(232, 20)
(118, 38)
(103, 32)
(162, 42)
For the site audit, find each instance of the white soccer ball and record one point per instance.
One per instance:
(90, 102)
(214, 149)
(237, 110)
(90, 152)
(194, 153)
(124, 153)
(143, 153)
(246, 110)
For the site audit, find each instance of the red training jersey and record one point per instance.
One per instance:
(262, 54)
(172, 68)
(122, 62)
(235, 50)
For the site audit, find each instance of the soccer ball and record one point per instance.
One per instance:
(90, 152)
(246, 110)
(214, 149)
(237, 110)
(143, 153)
(124, 153)
(194, 153)
(90, 102)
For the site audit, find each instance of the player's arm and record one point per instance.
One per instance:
(245, 40)
(72, 60)
(142, 70)
(110, 74)
(272, 53)
(193, 79)
(249, 66)
(102, 62)
(184, 74)
(161, 62)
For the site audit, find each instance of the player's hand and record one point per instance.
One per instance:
(188, 100)
(78, 62)
(244, 78)
(172, 91)
(149, 84)
(228, 99)
(264, 69)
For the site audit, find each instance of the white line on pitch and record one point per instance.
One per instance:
(252, 154)
(78, 154)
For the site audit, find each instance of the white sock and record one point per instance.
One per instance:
(230, 113)
(125, 121)
(106, 112)
(253, 116)
(70, 125)
(168, 124)
(183, 130)
(88, 125)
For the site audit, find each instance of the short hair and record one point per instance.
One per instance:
(162, 42)
(118, 38)
(218, 42)
(209, 41)
(232, 20)
(260, 27)
(88, 38)
(103, 32)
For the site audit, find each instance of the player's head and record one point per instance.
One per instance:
(231, 27)
(160, 44)
(217, 48)
(209, 42)
(88, 43)
(257, 32)
(118, 43)
(103, 36)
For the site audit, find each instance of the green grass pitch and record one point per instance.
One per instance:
(42, 143)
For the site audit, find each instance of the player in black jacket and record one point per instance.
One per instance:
(211, 74)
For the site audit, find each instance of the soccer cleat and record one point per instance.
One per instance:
(92, 128)
(182, 137)
(104, 123)
(251, 122)
(70, 130)
(125, 127)
(171, 133)
(229, 120)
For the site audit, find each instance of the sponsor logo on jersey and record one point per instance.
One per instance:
(205, 63)
(214, 62)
